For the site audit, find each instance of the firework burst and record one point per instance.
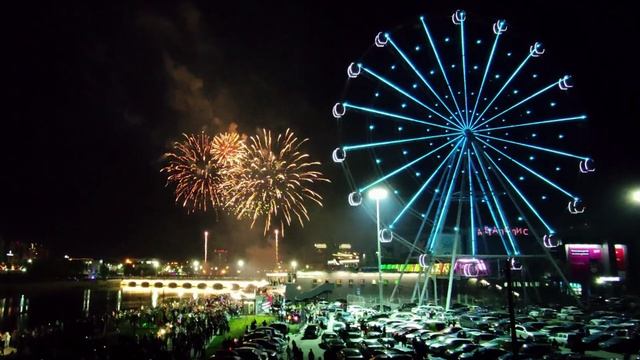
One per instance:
(227, 148)
(272, 180)
(195, 173)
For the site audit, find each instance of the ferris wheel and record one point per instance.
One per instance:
(469, 130)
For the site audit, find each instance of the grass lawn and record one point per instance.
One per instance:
(294, 328)
(237, 325)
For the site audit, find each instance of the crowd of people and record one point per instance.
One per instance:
(175, 329)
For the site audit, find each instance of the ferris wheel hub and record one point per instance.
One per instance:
(469, 134)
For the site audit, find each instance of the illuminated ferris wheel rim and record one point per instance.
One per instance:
(467, 130)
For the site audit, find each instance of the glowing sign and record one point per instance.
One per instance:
(471, 267)
(413, 268)
(345, 246)
(492, 231)
(440, 269)
(607, 279)
(320, 246)
(583, 258)
(436, 269)
(621, 257)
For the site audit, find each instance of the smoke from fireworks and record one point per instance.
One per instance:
(272, 180)
(195, 173)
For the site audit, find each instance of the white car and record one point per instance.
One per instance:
(337, 326)
(570, 315)
(404, 316)
(527, 332)
(425, 309)
(542, 312)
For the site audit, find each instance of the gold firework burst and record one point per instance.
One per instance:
(227, 148)
(273, 180)
(196, 174)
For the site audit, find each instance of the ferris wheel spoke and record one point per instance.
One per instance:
(396, 116)
(491, 212)
(522, 196)
(443, 214)
(444, 74)
(538, 175)
(504, 86)
(537, 93)
(444, 183)
(533, 123)
(424, 185)
(503, 219)
(405, 166)
(392, 142)
(498, 30)
(405, 93)
(472, 229)
(557, 152)
(460, 18)
(422, 78)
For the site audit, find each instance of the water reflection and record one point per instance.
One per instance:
(28, 308)
(154, 298)
(86, 302)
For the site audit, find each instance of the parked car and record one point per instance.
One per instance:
(483, 353)
(349, 354)
(620, 344)
(439, 348)
(559, 338)
(311, 332)
(591, 342)
(454, 353)
(536, 350)
(528, 332)
(473, 322)
(326, 337)
(249, 353)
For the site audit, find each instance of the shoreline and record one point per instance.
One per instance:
(29, 285)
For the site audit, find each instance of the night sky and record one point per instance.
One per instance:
(96, 93)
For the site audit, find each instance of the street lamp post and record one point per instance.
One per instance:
(378, 194)
(294, 265)
(206, 243)
(277, 258)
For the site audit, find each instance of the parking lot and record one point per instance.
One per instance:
(340, 331)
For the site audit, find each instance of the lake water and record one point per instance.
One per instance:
(27, 306)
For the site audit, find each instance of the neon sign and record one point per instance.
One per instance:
(492, 231)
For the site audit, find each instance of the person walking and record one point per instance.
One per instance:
(311, 356)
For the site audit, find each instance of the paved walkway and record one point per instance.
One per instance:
(8, 351)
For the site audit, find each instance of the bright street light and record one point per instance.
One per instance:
(240, 263)
(294, 264)
(378, 193)
(634, 196)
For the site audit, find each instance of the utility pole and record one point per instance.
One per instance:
(512, 314)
